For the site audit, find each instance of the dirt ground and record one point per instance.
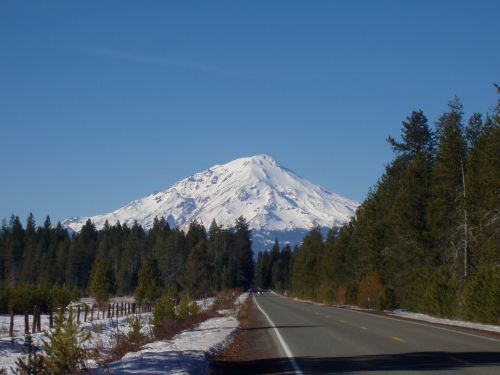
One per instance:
(255, 350)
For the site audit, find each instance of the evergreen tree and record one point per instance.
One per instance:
(197, 277)
(148, 289)
(244, 253)
(65, 352)
(14, 250)
(417, 137)
(305, 277)
(102, 281)
(473, 130)
(445, 214)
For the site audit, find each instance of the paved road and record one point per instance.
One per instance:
(324, 339)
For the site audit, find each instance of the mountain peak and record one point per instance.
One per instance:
(271, 198)
(263, 157)
(260, 159)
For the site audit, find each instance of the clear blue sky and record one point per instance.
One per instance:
(104, 102)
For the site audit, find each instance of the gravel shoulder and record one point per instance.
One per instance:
(254, 350)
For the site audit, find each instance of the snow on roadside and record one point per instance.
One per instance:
(102, 334)
(432, 319)
(185, 353)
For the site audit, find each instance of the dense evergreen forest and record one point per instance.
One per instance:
(427, 237)
(45, 265)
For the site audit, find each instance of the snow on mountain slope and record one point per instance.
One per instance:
(269, 196)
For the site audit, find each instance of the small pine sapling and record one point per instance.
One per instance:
(32, 363)
(64, 347)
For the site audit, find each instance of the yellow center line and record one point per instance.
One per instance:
(342, 321)
(397, 339)
(362, 327)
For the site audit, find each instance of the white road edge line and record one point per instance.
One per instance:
(422, 324)
(285, 347)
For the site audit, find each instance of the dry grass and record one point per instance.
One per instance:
(244, 311)
(225, 299)
(233, 351)
(4, 330)
(120, 347)
(169, 328)
(165, 331)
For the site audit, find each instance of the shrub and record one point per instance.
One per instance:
(64, 349)
(31, 363)
(164, 309)
(481, 296)
(340, 295)
(60, 296)
(440, 296)
(368, 290)
(193, 308)
(351, 294)
(326, 293)
(386, 299)
(183, 308)
(164, 315)
(135, 338)
(4, 299)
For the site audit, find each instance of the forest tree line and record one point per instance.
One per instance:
(427, 237)
(45, 265)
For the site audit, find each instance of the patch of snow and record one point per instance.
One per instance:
(456, 323)
(185, 353)
(102, 332)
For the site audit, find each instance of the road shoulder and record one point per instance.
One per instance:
(255, 349)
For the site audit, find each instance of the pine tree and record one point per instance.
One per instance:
(417, 137)
(481, 298)
(14, 250)
(473, 130)
(65, 352)
(197, 277)
(102, 281)
(445, 214)
(244, 253)
(258, 271)
(148, 289)
(32, 363)
(305, 277)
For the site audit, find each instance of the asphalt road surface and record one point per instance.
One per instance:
(322, 339)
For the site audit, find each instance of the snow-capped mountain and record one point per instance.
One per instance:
(274, 200)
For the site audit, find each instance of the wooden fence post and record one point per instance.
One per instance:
(78, 314)
(86, 311)
(11, 326)
(26, 323)
(109, 311)
(39, 321)
(33, 328)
